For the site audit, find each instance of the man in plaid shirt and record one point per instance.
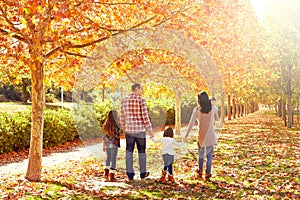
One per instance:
(134, 122)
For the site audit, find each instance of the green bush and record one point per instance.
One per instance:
(86, 121)
(59, 127)
(15, 129)
(186, 111)
(51, 98)
(102, 110)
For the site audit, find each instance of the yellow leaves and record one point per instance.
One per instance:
(27, 11)
(23, 21)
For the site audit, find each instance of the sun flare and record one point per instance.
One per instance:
(260, 6)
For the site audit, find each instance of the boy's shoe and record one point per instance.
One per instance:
(130, 176)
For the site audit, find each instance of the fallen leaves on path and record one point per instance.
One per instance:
(256, 158)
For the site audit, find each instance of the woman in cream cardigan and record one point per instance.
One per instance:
(205, 114)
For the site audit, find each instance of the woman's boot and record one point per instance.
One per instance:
(112, 176)
(106, 172)
(163, 176)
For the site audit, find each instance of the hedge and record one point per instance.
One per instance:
(15, 129)
(62, 125)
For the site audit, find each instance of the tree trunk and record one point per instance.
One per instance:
(290, 110)
(284, 111)
(103, 90)
(177, 113)
(25, 93)
(298, 110)
(289, 99)
(280, 108)
(228, 107)
(223, 108)
(241, 110)
(36, 141)
(234, 108)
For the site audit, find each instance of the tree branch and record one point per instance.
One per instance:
(113, 4)
(113, 34)
(4, 32)
(79, 55)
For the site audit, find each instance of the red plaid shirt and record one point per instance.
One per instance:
(134, 114)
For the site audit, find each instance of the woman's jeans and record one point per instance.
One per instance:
(209, 155)
(168, 161)
(111, 156)
(140, 140)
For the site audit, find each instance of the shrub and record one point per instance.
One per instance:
(15, 129)
(86, 121)
(59, 127)
(102, 110)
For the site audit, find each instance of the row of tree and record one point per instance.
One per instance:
(229, 51)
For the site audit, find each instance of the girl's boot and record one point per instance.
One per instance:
(171, 178)
(163, 176)
(106, 172)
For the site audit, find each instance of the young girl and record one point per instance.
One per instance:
(111, 144)
(168, 143)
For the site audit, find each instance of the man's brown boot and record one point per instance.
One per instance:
(207, 177)
(199, 173)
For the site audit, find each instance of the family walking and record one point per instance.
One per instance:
(135, 122)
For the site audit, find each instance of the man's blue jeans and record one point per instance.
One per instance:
(209, 155)
(140, 140)
(111, 156)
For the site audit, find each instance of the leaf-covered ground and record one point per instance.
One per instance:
(256, 158)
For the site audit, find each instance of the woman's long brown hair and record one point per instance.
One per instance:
(204, 102)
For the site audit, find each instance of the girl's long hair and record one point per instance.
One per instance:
(204, 102)
(110, 123)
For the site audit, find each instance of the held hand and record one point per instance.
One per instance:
(185, 139)
(151, 134)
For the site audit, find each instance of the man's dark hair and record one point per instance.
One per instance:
(136, 85)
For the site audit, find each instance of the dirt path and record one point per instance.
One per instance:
(76, 153)
(73, 154)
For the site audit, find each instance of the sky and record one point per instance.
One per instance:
(260, 7)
